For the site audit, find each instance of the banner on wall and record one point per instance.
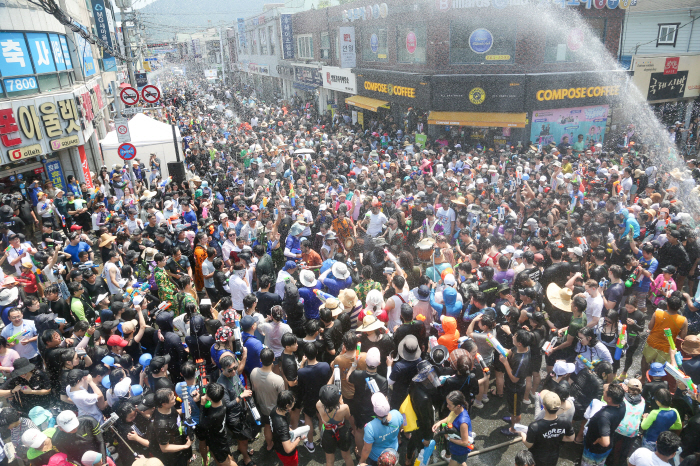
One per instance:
(287, 37)
(667, 78)
(85, 167)
(552, 125)
(348, 55)
(55, 174)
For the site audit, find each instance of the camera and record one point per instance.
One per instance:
(80, 352)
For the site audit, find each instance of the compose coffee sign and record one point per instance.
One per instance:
(407, 88)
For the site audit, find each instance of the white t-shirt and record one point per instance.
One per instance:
(446, 217)
(273, 332)
(594, 307)
(376, 222)
(86, 403)
(626, 184)
(395, 313)
(118, 276)
(645, 457)
(13, 254)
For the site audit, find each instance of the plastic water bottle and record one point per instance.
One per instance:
(336, 377)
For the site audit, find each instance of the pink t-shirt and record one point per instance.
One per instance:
(8, 358)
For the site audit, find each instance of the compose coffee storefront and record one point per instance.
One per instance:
(389, 92)
(482, 109)
(572, 106)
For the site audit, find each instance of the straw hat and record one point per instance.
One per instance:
(148, 195)
(334, 305)
(106, 239)
(691, 345)
(559, 297)
(369, 324)
(679, 174)
(149, 254)
(460, 201)
(348, 299)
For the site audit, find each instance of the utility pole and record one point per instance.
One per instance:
(123, 5)
(223, 62)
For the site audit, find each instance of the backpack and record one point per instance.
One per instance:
(152, 282)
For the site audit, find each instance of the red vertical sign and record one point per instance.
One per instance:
(671, 66)
(86, 168)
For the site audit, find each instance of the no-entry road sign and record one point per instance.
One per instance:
(129, 96)
(150, 94)
(127, 151)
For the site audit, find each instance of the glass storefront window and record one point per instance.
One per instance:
(488, 41)
(65, 80)
(374, 44)
(569, 45)
(48, 82)
(411, 43)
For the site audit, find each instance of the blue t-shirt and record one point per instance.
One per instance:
(644, 283)
(382, 437)
(254, 348)
(181, 388)
(311, 301)
(75, 250)
(463, 418)
(191, 218)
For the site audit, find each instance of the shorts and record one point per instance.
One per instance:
(362, 419)
(265, 419)
(498, 366)
(535, 363)
(309, 408)
(460, 458)
(653, 355)
(567, 354)
(594, 459)
(330, 444)
(219, 451)
(514, 402)
(639, 298)
(291, 460)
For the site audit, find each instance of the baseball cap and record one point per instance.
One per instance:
(373, 357)
(449, 280)
(108, 361)
(122, 388)
(380, 404)
(634, 383)
(508, 250)
(576, 250)
(159, 362)
(116, 340)
(90, 458)
(551, 401)
(562, 368)
(145, 359)
(247, 322)
(39, 415)
(148, 402)
(67, 421)
(33, 438)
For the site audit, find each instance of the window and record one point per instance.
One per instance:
(325, 46)
(305, 46)
(48, 82)
(263, 41)
(568, 46)
(667, 34)
(411, 43)
(374, 45)
(486, 41)
(271, 39)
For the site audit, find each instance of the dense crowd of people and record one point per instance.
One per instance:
(316, 283)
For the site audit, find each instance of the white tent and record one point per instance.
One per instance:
(148, 136)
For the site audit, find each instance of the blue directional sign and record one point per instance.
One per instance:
(126, 151)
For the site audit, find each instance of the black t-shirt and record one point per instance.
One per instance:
(74, 445)
(311, 379)
(546, 437)
(279, 425)
(603, 424)
(24, 403)
(266, 300)
(166, 247)
(177, 267)
(212, 421)
(520, 366)
(615, 293)
(599, 272)
(289, 366)
(534, 273)
(385, 345)
(490, 289)
(363, 396)
(96, 289)
(165, 431)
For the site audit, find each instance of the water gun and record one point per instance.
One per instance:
(391, 257)
(589, 364)
(550, 344)
(426, 454)
(145, 286)
(672, 344)
(292, 194)
(681, 377)
(203, 379)
(482, 363)
(63, 220)
(165, 183)
(94, 193)
(17, 336)
(630, 281)
(621, 342)
(322, 295)
(496, 345)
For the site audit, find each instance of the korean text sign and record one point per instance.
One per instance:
(552, 125)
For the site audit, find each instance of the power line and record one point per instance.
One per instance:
(50, 7)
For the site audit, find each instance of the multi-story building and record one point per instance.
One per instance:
(499, 70)
(54, 92)
(660, 44)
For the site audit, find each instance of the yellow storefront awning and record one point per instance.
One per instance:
(482, 120)
(367, 103)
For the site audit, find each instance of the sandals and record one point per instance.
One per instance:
(492, 392)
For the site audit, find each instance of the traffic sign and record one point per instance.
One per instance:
(150, 94)
(126, 151)
(122, 128)
(129, 96)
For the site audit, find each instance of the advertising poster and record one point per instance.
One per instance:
(552, 125)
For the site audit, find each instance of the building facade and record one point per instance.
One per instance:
(55, 94)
